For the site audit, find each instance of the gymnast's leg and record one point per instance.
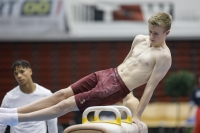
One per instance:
(47, 101)
(51, 112)
(42, 103)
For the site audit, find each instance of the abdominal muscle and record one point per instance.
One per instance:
(133, 76)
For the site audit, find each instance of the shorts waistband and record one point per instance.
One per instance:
(120, 80)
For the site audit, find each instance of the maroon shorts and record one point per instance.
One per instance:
(99, 88)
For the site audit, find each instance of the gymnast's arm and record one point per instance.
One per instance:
(163, 63)
(131, 102)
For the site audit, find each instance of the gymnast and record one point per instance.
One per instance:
(147, 62)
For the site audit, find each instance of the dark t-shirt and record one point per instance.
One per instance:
(195, 97)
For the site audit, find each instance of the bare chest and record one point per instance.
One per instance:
(143, 56)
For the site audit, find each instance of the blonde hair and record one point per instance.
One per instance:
(161, 19)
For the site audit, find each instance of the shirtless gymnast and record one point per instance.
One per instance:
(147, 63)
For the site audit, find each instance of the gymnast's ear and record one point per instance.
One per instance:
(30, 71)
(167, 32)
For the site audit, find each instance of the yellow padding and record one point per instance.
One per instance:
(97, 120)
(128, 120)
(84, 120)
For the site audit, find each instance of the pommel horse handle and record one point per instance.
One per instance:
(97, 110)
(120, 108)
(128, 113)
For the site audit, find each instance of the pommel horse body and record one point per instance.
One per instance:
(106, 126)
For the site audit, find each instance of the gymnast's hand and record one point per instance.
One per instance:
(138, 123)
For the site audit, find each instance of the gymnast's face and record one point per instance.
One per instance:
(22, 75)
(157, 35)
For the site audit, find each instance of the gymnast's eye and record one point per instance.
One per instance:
(21, 71)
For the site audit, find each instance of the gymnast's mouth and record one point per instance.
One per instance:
(20, 81)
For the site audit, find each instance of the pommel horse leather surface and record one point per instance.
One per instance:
(104, 128)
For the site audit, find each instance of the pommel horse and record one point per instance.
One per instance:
(106, 126)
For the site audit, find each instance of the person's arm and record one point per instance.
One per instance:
(131, 102)
(3, 128)
(162, 65)
(52, 126)
(3, 105)
(192, 106)
(192, 109)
